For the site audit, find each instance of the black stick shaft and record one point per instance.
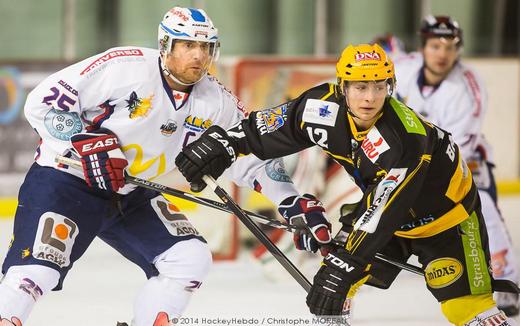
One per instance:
(258, 233)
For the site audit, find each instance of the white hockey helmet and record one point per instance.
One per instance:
(187, 24)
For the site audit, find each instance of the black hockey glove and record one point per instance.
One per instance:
(211, 154)
(307, 213)
(339, 277)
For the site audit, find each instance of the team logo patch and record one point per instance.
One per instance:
(374, 145)
(176, 223)
(197, 124)
(270, 120)
(370, 219)
(442, 272)
(275, 170)
(62, 124)
(139, 107)
(54, 239)
(168, 128)
(320, 112)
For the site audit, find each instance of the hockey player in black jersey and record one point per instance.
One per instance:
(419, 197)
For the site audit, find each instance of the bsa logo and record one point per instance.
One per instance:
(139, 107)
(324, 111)
(367, 56)
(374, 145)
(168, 128)
(320, 112)
(270, 120)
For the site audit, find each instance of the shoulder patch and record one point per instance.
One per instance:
(320, 112)
(62, 124)
(270, 120)
(409, 119)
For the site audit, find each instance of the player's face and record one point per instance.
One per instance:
(440, 55)
(189, 60)
(366, 99)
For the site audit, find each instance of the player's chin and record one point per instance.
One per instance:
(194, 75)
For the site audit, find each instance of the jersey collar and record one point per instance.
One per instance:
(360, 135)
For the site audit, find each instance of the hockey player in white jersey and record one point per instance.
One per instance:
(435, 83)
(128, 109)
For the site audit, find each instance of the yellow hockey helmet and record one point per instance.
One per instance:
(364, 62)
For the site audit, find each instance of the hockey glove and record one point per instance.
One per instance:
(102, 159)
(338, 278)
(211, 154)
(307, 212)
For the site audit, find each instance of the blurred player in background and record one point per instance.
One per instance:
(128, 109)
(418, 194)
(435, 83)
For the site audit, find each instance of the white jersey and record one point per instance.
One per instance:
(457, 105)
(124, 91)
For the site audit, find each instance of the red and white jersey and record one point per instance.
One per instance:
(123, 90)
(457, 105)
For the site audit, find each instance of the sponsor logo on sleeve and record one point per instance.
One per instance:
(320, 112)
(61, 124)
(270, 120)
(111, 55)
(442, 272)
(370, 219)
(411, 122)
(55, 238)
(374, 145)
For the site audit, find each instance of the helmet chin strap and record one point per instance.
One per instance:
(170, 75)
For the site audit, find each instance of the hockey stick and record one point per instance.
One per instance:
(258, 233)
(223, 207)
(184, 195)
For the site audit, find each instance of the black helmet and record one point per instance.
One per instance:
(440, 26)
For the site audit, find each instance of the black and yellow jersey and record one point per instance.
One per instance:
(414, 181)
